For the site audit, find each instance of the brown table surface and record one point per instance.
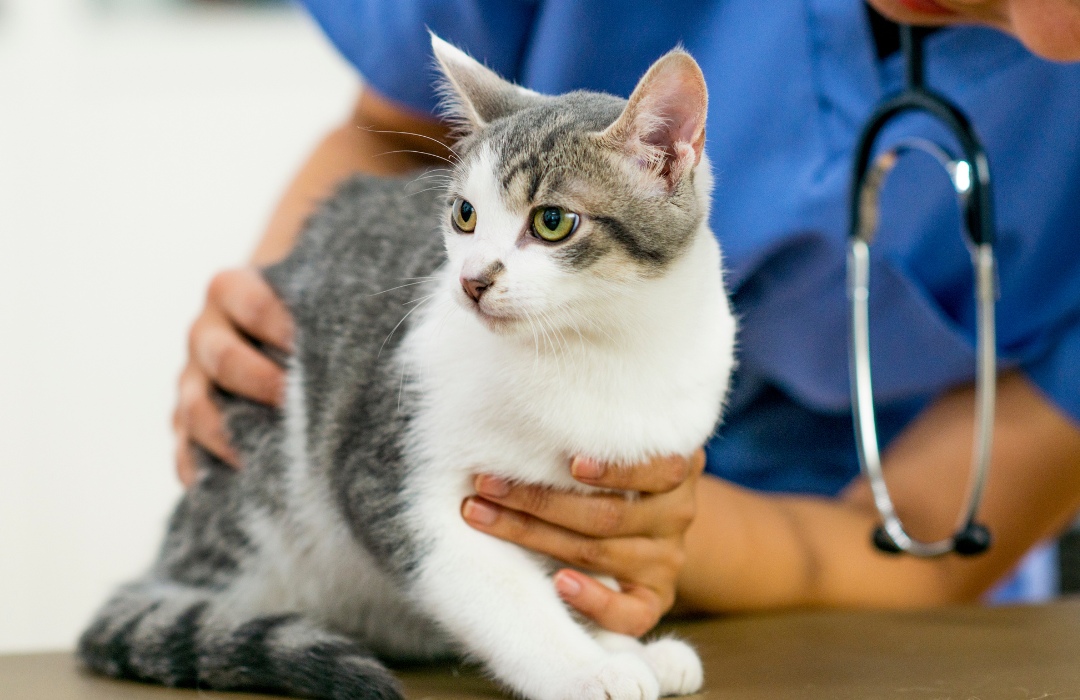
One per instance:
(966, 653)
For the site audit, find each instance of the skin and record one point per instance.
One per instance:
(1049, 28)
(710, 544)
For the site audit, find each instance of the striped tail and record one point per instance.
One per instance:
(169, 634)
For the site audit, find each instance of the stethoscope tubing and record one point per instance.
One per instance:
(970, 176)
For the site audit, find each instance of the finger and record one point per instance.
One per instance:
(596, 515)
(185, 461)
(251, 304)
(634, 611)
(637, 558)
(658, 475)
(201, 419)
(236, 366)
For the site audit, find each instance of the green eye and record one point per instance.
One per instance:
(554, 223)
(464, 216)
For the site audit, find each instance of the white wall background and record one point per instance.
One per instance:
(139, 153)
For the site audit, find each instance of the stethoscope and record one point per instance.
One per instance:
(970, 175)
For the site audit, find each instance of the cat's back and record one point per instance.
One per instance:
(366, 235)
(361, 265)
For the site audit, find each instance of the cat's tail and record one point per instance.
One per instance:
(181, 636)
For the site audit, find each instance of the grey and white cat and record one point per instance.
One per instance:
(564, 298)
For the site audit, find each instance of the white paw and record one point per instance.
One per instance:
(621, 676)
(676, 665)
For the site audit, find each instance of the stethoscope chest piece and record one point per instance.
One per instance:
(970, 176)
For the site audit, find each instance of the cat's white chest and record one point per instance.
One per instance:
(497, 406)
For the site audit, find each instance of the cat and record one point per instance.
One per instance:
(556, 292)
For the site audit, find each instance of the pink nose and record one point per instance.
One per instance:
(475, 287)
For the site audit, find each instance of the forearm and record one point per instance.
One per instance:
(378, 138)
(749, 550)
(797, 551)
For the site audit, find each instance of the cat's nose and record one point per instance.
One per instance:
(475, 287)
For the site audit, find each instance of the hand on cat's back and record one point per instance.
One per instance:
(239, 306)
(637, 541)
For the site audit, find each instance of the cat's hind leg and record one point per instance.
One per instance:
(182, 636)
(676, 664)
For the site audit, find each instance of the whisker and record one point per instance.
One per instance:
(439, 325)
(421, 153)
(550, 343)
(554, 331)
(394, 329)
(400, 286)
(428, 183)
(445, 173)
(429, 189)
(412, 133)
(433, 177)
(404, 360)
(536, 343)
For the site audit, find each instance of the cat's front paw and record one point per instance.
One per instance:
(677, 666)
(621, 676)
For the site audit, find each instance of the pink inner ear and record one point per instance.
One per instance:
(669, 114)
(679, 108)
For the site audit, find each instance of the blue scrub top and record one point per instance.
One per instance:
(791, 82)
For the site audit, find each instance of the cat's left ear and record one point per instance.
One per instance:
(663, 125)
(475, 94)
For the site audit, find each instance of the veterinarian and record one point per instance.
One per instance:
(772, 513)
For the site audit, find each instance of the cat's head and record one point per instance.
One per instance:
(561, 206)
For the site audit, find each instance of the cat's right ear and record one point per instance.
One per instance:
(473, 94)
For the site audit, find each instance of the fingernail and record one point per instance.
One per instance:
(492, 486)
(585, 468)
(567, 585)
(479, 512)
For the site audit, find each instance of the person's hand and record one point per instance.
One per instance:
(239, 305)
(637, 540)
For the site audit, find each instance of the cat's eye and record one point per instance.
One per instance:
(464, 216)
(554, 223)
